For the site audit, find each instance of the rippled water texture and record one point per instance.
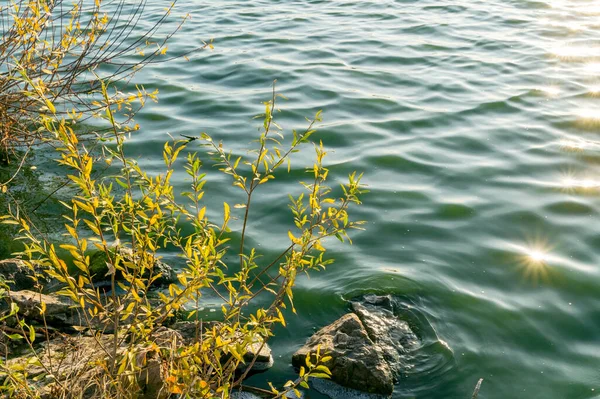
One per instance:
(477, 126)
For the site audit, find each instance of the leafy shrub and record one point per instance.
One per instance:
(52, 52)
(141, 214)
(49, 84)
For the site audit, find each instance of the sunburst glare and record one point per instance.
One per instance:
(592, 67)
(588, 114)
(534, 259)
(537, 256)
(573, 144)
(594, 90)
(560, 23)
(574, 51)
(570, 183)
(551, 91)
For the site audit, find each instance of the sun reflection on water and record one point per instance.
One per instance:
(570, 183)
(586, 115)
(536, 256)
(575, 51)
(551, 91)
(534, 260)
(594, 90)
(592, 67)
(573, 144)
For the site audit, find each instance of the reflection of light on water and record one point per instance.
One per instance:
(592, 67)
(573, 51)
(573, 144)
(534, 259)
(536, 256)
(551, 90)
(587, 9)
(580, 183)
(571, 7)
(574, 26)
(588, 114)
(594, 90)
(570, 183)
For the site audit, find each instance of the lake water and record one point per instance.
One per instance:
(477, 124)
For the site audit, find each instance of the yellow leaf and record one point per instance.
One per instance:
(50, 106)
(176, 389)
(226, 216)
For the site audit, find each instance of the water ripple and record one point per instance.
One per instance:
(478, 126)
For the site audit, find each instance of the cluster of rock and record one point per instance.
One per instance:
(365, 346)
(75, 351)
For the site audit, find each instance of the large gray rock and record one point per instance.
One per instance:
(393, 336)
(18, 275)
(368, 348)
(356, 362)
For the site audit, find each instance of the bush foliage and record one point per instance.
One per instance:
(131, 217)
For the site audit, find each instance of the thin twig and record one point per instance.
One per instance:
(477, 388)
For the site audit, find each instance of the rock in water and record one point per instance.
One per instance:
(367, 347)
(99, 267)
(243, 395)
(22, 277)
(58, 312)
(356, 362)
(336, 391)
(393, 336)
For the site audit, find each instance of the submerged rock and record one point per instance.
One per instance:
(244, 395)
(266, 395)
(356, 362)
(99, 267)
(336, 391)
